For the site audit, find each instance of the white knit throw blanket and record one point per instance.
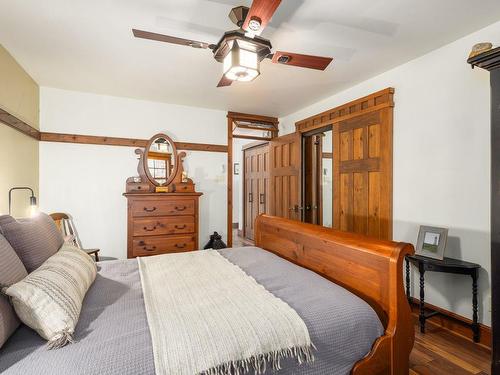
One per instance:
(207, 316)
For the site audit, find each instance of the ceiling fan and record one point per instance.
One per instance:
(242, 50)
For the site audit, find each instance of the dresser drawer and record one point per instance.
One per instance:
(163, 207)
(154, 226)
(145, 246)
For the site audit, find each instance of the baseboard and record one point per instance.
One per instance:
(236, 225)
(453, 322)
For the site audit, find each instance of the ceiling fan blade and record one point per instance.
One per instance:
(170, 39)
(224, 82)
(304, 61)
(261, 11)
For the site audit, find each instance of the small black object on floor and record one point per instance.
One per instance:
(215, 242)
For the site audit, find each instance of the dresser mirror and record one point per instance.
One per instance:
(160, 168)
(160, 160)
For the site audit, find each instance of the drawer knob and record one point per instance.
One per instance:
(149, 229)
(180, 226)
(180, 208)
(152, 248)
(149, 209)
(180, 246)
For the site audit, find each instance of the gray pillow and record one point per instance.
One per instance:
(11, 272)
(35, 239)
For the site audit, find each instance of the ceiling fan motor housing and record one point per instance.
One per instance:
(238, 15)
(256, 44)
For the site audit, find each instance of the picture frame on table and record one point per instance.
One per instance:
(431, 242)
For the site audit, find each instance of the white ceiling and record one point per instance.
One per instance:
(87, 45)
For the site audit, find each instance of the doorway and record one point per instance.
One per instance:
(317, 176)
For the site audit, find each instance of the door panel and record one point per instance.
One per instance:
(285, 159)
(363, 174)
(256, 185)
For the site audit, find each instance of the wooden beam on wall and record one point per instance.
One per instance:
(251, 137)
(128, 142)
(19, 125)
(249, 117)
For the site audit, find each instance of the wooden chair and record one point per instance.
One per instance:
(65, 224)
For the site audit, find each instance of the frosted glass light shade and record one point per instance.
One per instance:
(241, 64)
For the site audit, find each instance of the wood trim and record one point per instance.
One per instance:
(251, 117)
(254, 144)
(354, 165)
(19, 125)
(251, 137)
(251, 127)
(373, 102)
(349, 260)
(346, 117)
(453, 322)
(229, 181)
(200, 147)
(128, 142)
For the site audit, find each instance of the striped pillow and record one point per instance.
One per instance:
(50, 298)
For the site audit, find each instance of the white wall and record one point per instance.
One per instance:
(87, 181)
(238, 181)
(441, 159)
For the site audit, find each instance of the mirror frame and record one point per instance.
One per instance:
(174, 157)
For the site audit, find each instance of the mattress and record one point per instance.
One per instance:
(112, 335)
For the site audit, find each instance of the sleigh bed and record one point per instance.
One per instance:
(359, 320)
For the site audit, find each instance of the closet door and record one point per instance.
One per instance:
(362, 174)
(285, 192)
(256, 185)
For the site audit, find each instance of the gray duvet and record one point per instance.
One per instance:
(113, 335)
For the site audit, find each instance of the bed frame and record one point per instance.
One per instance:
(370, 268)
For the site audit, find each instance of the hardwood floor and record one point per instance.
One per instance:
(439, 352)
(240, 241)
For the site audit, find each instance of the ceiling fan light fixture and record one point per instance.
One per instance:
(241, 64)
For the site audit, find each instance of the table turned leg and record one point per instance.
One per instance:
(475, 325)
(421, 316)
(408, 280)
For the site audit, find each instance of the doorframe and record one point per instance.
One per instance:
(310, 133)
(231, 118)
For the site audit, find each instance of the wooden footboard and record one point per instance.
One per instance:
(370, 268)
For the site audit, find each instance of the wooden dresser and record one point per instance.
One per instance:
(161, 223)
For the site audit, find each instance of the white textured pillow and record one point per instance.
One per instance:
(49, 299)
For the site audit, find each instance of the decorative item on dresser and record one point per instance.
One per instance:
(162, 202)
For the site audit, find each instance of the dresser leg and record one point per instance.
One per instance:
(475, 325)
(421, 316)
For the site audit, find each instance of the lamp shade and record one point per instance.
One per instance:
(241, 64)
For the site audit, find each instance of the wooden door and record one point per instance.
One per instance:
(362, 174)
(312, 178)
(256, 186)
(285, 157)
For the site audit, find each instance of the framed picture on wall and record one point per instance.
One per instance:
(236, 169)
(431, 242)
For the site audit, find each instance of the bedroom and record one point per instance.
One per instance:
(79, 93)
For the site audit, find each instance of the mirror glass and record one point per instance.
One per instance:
(318, 177)
(161, 160)
(327, 178)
